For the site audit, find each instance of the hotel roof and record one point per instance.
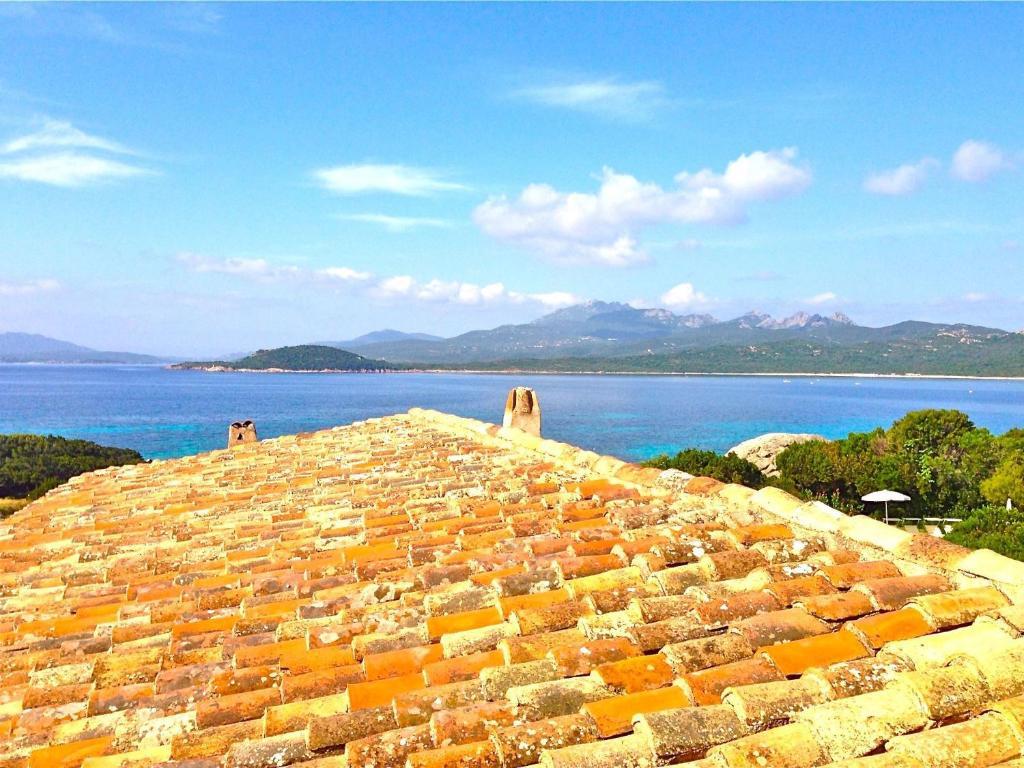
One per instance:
(429, 591)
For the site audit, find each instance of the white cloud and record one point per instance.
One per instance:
(605, 97)
(902, 180)
(260, 269)
(683, 295)
(394, 179)
(68, 169)
(57, 133)
(345, 274)
(975, 296)
(456, 292)
(976, 161)
(404, 287)
(601, 227)
(29, 287)
(395, 223)
(61, 155)
(822, 298)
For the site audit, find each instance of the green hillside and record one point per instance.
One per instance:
(942, 355)
(305, 357)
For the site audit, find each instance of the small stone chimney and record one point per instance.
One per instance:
(522, 411)
(241, 432)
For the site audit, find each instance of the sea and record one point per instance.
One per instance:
(166, 413)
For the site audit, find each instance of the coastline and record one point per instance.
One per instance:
(522, 372)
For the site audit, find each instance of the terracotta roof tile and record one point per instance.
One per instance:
(433, 591)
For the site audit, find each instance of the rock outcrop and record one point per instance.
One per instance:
(762, 451)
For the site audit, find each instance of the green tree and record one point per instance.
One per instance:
(729, 468)
(813, 468)
(1007, 482)
(992, 527)
(30, 465)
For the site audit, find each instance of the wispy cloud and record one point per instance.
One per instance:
(61, 155)
(28, 287)
(403, 287)
(602, 227)
(396, 223)
(683, 295)
(609, 97)
(976, 161)
(902, 180)
(822, 298)
(68, 169)
(365, 178)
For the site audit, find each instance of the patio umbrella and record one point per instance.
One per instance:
(885, 497)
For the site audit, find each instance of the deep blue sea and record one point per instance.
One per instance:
(163, 413)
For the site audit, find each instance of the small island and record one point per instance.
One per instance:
(305, 358)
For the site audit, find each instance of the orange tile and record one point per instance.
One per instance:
(847, 575)
(639, 673)
(708, 684)
(895, 625)
(580, 658)
(379, 693)
(235, 708)
(751, 534)
(69, 755)
(461, 667)
(403, 661)
(268, 653)
(300, 660)
(479, 754)
(533, 600)
(220, 624)
(487, 577)
(837, 607)
(458, 622)
(614, 716)
(796, 657)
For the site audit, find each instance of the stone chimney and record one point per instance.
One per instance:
(522, 411)
(241, 432)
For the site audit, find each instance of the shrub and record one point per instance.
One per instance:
(30, 465)
(729, 468)
(992, 527)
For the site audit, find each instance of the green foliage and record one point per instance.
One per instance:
(992, 527)
(729, 468)
(305, 357)
(1007, 482)
(938, 458)
(30, 465)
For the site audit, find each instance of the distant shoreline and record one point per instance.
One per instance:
(521, 372)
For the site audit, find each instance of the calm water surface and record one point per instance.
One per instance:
(164, 413)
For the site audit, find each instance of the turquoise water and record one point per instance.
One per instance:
(164, 413)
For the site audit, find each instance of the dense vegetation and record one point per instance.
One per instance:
(305, 357)
(729, 468)
(30, 465)
(947, 465)
(944, 355)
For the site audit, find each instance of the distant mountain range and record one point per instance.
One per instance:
(610, 336)
(33, 348)
(600, 335)
(387, 335)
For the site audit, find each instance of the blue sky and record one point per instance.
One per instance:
(212, 178)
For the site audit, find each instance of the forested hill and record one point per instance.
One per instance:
(305, 357)
(943, 356)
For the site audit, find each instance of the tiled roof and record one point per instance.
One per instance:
(435, 592)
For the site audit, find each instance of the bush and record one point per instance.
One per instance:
(729, 468)
(30, 465)
(992, 527)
